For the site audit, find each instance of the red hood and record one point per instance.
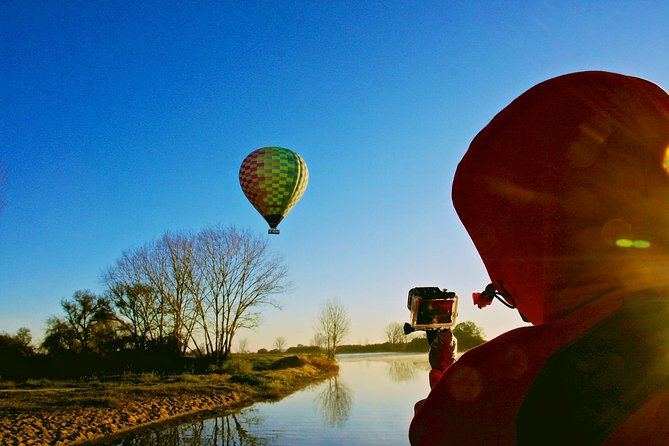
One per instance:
(560, 181)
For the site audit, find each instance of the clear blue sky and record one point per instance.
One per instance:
(122, 120)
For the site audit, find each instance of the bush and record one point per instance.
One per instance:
(323, 363)
(254, 380)
(236, 367)
(469, 335)
(287, 363)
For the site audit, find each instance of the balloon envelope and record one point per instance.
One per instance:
(273, 179)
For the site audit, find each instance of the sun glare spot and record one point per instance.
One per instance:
(665, 160)
(626, 243)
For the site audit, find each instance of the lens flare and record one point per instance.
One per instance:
(665, 160)
(626, 243)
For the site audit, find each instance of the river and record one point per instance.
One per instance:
(370, 402)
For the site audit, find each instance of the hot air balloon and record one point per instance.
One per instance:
(273, 179)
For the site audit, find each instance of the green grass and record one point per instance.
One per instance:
(258, 379)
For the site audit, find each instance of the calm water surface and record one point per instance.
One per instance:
(370, 402)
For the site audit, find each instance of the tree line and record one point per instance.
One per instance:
(468, 335)
(182, 295)
(176, 304)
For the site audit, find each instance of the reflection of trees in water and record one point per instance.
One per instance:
(226, 430)
(399, 371)
(335, 402)
(406, 369)
(233, 429)
(169, 437)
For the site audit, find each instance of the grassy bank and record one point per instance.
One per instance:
(45, 412)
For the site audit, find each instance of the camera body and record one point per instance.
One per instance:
(432, 308)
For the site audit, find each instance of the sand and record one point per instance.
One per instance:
(80, 425)
(90, 412)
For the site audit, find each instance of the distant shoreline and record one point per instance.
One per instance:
(98, 412)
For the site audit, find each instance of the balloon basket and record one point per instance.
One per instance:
(273, 231)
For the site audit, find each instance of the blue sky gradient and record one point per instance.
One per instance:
(122, 120)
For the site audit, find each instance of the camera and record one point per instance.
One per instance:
(432, 308)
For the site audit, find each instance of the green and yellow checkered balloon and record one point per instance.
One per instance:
(273, 179)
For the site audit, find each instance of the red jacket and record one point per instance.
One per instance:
(566, 197)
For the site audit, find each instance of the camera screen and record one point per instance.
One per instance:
(434, 311)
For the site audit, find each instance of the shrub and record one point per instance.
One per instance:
(236, 367)
(287, 362)
(254, 380)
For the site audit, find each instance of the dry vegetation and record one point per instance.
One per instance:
(44, 412)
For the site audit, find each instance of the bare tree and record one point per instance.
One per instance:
(156, 291)
(332, 325)
(214, 263)
(280, 343)
(137, 292)
(200, 289)
(318, 340)
(243, 345)
(240, 278)
(179, 280)
(395, 333)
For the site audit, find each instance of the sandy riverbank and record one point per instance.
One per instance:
(90, 413)
(64, 426)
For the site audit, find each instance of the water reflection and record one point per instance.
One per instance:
(235, 429)
(334, 402)
(399, 371)
(406, 370)
(370, 402)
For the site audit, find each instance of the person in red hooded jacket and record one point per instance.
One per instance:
(565, 194)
